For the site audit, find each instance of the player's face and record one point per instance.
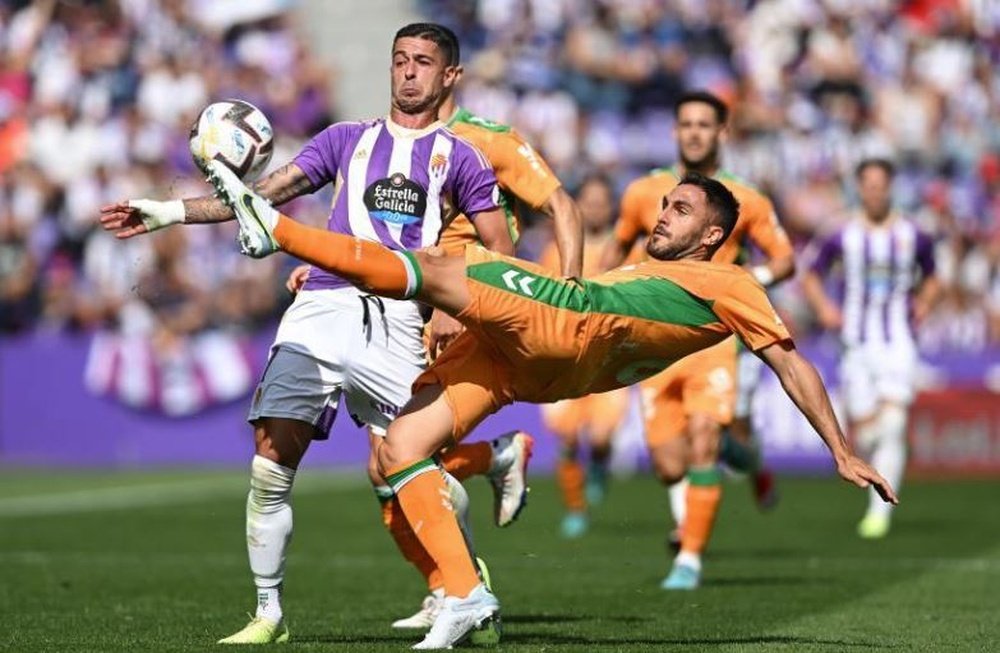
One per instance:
(683, 228)
(420, 75)
(874, 187)
(594, 200)
(698, 133)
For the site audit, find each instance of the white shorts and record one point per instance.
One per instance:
(870, 375)
(748, 367)
(342, 342)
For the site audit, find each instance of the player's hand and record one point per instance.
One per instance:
(136, 217)
(830, 318)
(444, 329)
(297, 278)
(857, 471)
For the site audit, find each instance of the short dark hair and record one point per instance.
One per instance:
(887, 166)
(722, 204)
(439, 34)
(721, 110)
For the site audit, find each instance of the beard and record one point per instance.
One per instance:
(705, 161)
(663, 251)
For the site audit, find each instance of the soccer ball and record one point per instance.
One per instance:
(236, 133)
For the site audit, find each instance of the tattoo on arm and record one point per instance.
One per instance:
(284, 184)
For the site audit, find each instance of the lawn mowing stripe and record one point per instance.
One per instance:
(157, 494)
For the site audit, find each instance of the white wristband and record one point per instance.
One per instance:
(763, 275)
(157, 215)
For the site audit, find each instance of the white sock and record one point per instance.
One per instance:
(689, 559)
(269, 603)
(269, 529)
(889, 456)
(678, 500)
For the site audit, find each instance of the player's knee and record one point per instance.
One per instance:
(669, 465)
(704, 435)
(283, 441)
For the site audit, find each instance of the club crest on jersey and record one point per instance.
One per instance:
(396, 200)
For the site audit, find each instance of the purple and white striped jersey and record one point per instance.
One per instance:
(394, 185)
(880, 269)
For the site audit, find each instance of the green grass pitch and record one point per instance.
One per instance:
(155, 561)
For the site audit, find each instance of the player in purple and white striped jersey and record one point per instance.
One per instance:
(885, 273)
(397, 181)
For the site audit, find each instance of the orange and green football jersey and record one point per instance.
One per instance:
(521, 174)
(642, 203)
(532, 336)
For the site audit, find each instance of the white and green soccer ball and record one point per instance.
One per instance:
(236, 133)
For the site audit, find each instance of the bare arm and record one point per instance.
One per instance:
(805, 388)
(134, 217)
(569, 231)
(778, 269)
(827, 312)
(493, 231)
(927, 296)
(614, 253)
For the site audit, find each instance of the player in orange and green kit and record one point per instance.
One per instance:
(688, 406)
(522, 175)
(532, 336)
(596, 416)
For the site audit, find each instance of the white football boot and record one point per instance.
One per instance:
(257, 218)
(509, 475)
(460, 617)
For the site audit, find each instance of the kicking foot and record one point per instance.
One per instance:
(460, 617)
(259, 631)
(509, 477)
(256, 217)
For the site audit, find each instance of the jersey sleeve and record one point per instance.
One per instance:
(320, 157)
(748, 313)
(521, 170)
(822, 256)
(766, 232)
(473, 183)
(629, 227)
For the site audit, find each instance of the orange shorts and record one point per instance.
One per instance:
(601, 413)
(704, 382)
(513, 348)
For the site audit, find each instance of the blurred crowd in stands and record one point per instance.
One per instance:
(96, 102)
(814, 85)
(96, 99)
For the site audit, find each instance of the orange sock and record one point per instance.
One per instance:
(419, 488)
(571, 477)
(704, 494)
(366, 264)
(411, 548)
(465, 460)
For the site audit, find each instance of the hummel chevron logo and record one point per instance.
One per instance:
(523, 285)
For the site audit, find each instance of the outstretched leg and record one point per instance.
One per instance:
(426, 275)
